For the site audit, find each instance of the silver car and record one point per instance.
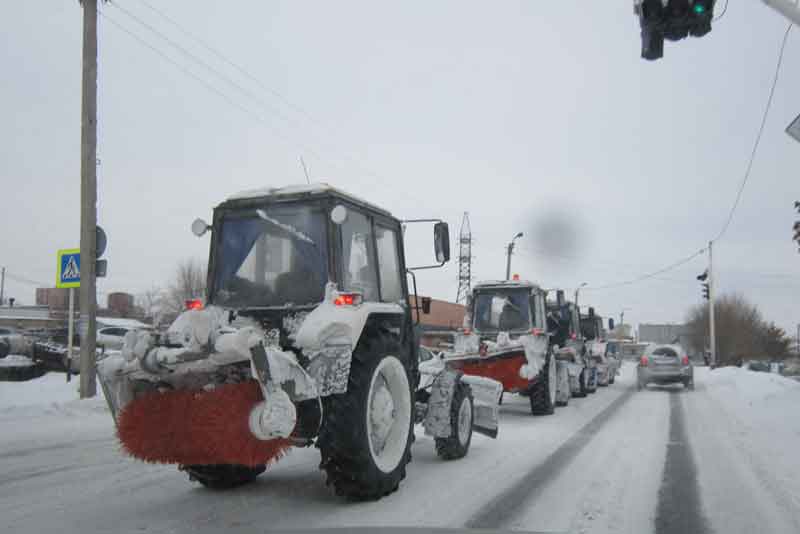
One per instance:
(665, 364)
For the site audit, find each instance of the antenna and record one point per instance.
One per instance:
(305, 170)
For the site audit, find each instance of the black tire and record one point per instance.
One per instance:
(611, 379)
(455, 447)
(541, 401)
(343, 440)
(564, 402)
(689, 384)
(223, 476)
(5, 348)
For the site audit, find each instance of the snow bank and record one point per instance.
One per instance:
(48, 394)
(15, 360)
(753, 387)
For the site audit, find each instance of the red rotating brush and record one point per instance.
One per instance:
(197, 427)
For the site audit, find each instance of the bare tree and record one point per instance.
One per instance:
(151, 302)
(189, 283)
(740, 331)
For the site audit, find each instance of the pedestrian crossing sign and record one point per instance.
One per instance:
(69, 268)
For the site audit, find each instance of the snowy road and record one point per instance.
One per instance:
(720, 459)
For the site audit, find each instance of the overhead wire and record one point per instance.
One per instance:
(752, 158)
(229, 61)
(240, 88)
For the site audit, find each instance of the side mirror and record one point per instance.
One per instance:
(441, 242)
(560, 298)
(200, 227)
(610, 323)
(426, 305)
(591, 311)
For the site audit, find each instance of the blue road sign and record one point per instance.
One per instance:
(69, 268)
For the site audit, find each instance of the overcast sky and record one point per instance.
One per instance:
(532, 116)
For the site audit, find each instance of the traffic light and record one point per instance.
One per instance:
(706, 292)
(673, 20)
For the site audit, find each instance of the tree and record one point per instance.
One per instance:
(741, 333)
(189, 283)
(775, 342)
(152, 303)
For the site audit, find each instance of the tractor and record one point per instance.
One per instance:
(306, 338)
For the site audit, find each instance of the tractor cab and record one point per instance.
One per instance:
(563, 321)
(512, 306)
(274, 252)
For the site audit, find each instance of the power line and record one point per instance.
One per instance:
(233, 102)
(188, 53)
(230, 62)
(649, 275)
(758, 136)
(724, 10)
(230, 100)
(23, 280)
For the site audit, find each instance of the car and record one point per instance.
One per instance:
(112, 337)
(665, 364)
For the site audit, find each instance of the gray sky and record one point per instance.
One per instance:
(529, 115)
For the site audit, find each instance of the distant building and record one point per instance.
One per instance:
(441, 323)
(121, 304)
(53, 297)
(23, 317)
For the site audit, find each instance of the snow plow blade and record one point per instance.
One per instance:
(197, 427)
(486, 398)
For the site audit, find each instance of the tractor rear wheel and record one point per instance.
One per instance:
(366, 434)
(223, 476)
(543, 393)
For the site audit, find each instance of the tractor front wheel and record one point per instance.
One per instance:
(461, 417)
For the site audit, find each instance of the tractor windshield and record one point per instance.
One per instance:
(502, 310)
(276, 256)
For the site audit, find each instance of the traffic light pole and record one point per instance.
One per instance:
(87, 292)
(711, 290)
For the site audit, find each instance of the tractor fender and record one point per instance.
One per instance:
(536, 348)
(330, 333)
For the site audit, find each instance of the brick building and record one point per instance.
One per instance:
(440, 324)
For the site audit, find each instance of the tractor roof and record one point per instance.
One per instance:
(299, 192)
(507, 284)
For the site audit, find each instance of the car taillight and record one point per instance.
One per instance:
(347, 299)
(685, 360)
(644, 361)
(467, 331)
(537, 331)
(194, 304)
(573, 336)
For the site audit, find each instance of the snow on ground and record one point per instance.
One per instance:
(744, 428)
(61, 469)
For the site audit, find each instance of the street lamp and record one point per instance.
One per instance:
(510, 250)
(622, 315)
(577, 289)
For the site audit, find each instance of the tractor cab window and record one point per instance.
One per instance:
(275, 256)
(358, 254)
(389, 264)
(502, 311)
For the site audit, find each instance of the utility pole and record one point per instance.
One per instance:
(511, 251)
(2, 284)
(464, 260)
(87, 292)
(711, 290)
(577, 290)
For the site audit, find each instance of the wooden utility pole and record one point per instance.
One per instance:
(711, 290)
(87, 292)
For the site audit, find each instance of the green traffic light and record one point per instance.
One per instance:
(699, 9)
